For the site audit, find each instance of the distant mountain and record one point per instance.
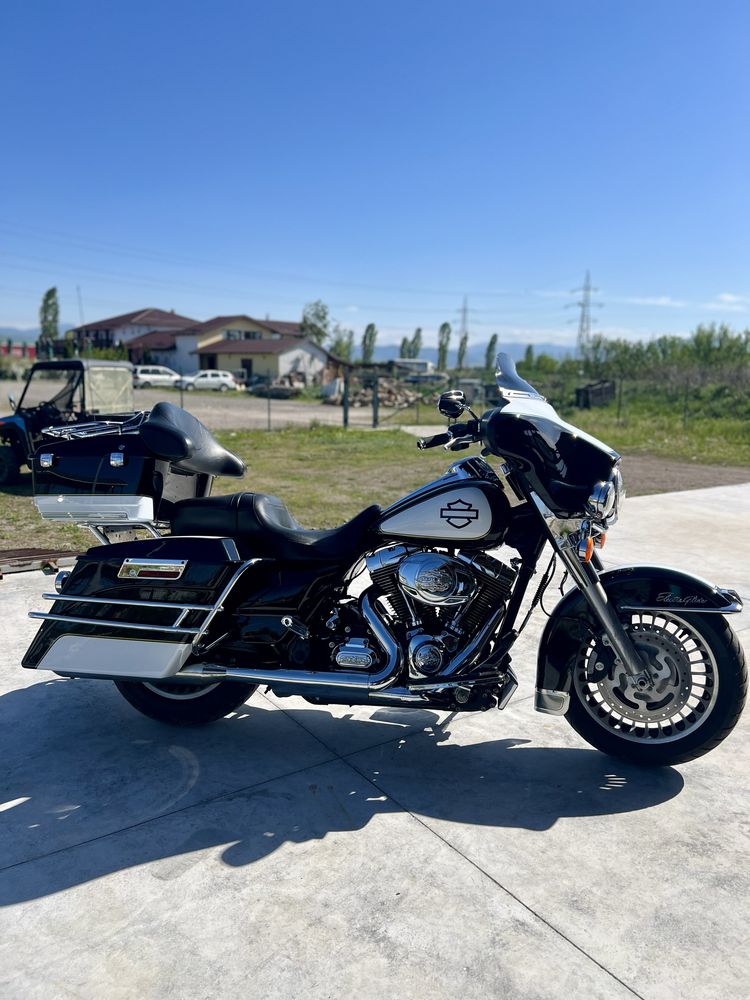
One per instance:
(28, 334)
(476, 352)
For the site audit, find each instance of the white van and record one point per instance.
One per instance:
(145, 376)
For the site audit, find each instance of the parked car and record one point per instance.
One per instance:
(92, 390)
(211, 378)
(144, 376)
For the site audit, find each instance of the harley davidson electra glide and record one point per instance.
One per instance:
(408, 606)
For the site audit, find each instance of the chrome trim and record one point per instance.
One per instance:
(175, 605)
(587, 580)
(230, 547)
(551, 702)
(105, 623)
(117, 459)
(139, 569)
(60, 579)
(219, 606)
(96, 510)
(46, 459)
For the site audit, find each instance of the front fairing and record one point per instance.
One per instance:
(561, 463)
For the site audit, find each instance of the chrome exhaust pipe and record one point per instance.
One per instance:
(314, 678)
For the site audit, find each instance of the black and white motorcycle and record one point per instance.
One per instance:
(408, 606)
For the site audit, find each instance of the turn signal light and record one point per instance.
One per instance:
(589, 550)
(601, 540)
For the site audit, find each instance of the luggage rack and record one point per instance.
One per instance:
(97, 428)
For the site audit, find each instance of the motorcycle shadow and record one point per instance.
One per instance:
(90, 789)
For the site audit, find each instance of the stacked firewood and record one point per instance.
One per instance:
(391, 393)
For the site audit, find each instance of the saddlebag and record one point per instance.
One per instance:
(136, 609)
(109, 479)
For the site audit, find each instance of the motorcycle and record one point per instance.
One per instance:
(409, 606)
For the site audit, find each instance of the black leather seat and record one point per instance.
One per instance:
(268, 529)
(178, 437)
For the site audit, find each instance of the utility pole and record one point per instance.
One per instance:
(584, 320)
(80, 305)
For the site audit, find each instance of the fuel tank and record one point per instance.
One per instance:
(464, 507)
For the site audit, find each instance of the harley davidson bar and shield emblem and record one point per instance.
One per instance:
(459, 513)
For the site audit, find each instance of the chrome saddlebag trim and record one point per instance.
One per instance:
(96, 509)
(95, 656)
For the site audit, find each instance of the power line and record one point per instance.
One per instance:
(584, 320)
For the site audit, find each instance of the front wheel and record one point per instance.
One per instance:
(182, 704)
(697, 687)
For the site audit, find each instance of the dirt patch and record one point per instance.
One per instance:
(647, 474)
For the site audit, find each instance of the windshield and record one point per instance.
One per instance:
(44, 386)
(509, 382)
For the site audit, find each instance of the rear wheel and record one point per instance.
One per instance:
(223, 388)
(9, 467)
(182, 704)
(696, 691)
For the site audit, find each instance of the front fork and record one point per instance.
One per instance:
(586, 578)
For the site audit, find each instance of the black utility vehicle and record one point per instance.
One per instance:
(92, 389)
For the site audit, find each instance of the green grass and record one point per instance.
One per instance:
(646, 429)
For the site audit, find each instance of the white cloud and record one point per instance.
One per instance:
(653, 300)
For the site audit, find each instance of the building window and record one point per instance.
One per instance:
(241, 335)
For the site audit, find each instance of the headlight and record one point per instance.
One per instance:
(606, 499)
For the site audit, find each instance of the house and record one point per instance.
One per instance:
(124, 329)
(268, 358)
(177, 348)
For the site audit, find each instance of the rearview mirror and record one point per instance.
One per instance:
(12, 401)
(452, 404)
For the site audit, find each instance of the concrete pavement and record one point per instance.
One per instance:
(292, 851)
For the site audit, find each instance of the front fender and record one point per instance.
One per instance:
(633, 588)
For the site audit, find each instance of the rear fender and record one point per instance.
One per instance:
(633, 588)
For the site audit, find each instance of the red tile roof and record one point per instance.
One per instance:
(158, 340)
(254, 346)
(141, 317)
(284, 327)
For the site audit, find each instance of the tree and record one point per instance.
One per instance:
(528, 356)
(491, 354)
(49, 317)
(415, 346)
(342, 343)
(405, 348)
(368, 343)
(316, 323)
(461, 353)
(444, 339)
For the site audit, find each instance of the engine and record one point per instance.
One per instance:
(435, 601)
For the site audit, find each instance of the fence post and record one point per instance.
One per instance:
(345, 400)
(268, 405)
(375, 401)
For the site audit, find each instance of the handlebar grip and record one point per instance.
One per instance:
(434, 442)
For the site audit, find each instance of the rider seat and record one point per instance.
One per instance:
(267, 528)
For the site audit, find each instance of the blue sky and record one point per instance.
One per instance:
(388, 158)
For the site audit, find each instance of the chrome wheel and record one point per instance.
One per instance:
(672, 698)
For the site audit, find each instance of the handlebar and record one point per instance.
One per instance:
(454, 439)
(434, 441)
